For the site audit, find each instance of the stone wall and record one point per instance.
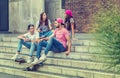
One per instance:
(54, 9)
(22, 13)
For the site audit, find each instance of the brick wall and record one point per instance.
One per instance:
(83, 10)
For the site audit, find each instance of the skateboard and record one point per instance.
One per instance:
(20, 60)
(34, 67)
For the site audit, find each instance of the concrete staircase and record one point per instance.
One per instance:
(85, 61)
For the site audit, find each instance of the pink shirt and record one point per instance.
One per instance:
(61, 35)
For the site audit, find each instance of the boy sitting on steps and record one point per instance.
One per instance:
(28, 40)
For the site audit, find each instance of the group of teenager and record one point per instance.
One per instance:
(56, 39)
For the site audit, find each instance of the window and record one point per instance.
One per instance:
(63, 4)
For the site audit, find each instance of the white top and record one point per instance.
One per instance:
(32, 37)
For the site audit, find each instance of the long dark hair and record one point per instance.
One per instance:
(67, 19)
(41, 20)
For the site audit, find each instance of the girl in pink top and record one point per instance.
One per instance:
(70, 23)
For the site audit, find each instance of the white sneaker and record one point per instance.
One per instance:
(42, 58)
(15, 56)
(35, 61)
(30, 60)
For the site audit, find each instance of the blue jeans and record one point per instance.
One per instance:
(51, 45)
(29, 45)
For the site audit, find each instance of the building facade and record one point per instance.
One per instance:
(20, 13)
(15, 15)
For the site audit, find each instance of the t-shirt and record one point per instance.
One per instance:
(68, 24)
(71, 20)
(43, 28)
(32, 37)
(61, 35)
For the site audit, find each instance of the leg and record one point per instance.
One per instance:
(32, 48)
(21, 42)
(39, 48)
(19, 45)
(38, 53)
(17, 55)
(27, 44)
(57, 46)
(54, 45)
(49, 45)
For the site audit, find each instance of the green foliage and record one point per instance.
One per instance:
(107, 23)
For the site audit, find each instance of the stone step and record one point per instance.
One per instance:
(79, 63)
(72, 55)
(85, 35)
(79, 41)
(77, 35)
(74, 63)
(28, 74)
(78, 48)
(5, 75)
(67, 71)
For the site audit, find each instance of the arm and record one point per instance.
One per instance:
(38, 30)
(50, 27)
(37, 24)
(47, 38)
(51, 35)
(23, 37)
(72, 27)
(69, 45)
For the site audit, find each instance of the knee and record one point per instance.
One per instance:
(51, 39)
(21, 41)
(32, 44)
(39, 44)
